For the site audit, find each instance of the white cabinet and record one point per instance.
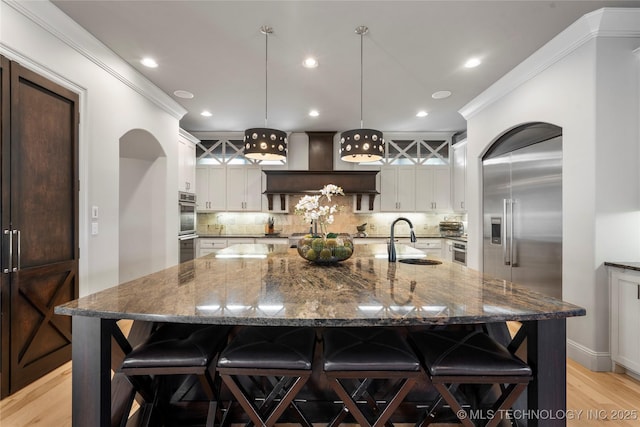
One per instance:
(211, 191)
(244, 188)
(432, 247)
(460, 176)
(397, 189)
(625, 317)
(415, 188)
(208, 245)
(433, 188)
(186, 162)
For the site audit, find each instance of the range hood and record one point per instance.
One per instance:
(320, 173)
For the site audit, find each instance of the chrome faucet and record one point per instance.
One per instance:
(391, 247)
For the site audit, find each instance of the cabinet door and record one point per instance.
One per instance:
(406, 189)
(236, 188)
(459, 177)
(217, 183)
(625, 319)
(441, 188)
(202, 189)
(424, 189)
(388, 189)
(186, 165)
(253, 189)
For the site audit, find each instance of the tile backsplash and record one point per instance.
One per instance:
(378, 224)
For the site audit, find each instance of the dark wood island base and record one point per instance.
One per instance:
(268, 285)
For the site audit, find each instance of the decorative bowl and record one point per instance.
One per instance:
(326, 250)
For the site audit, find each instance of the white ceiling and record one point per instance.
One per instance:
(215, 50)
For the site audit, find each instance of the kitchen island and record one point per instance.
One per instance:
(266, 285)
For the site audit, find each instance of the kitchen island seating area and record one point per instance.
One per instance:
(265, 286)
(370, 371)
(175, 349)
(275, 363)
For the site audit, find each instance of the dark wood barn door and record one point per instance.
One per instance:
(39, 225)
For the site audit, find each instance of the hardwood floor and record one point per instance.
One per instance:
(591, 396)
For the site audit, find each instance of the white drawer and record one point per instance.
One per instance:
(428, 244)
(212, 243)
(273, 240)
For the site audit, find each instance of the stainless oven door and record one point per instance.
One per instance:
(187, 218)
(187, 247)
(460, 253)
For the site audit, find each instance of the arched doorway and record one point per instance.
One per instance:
(142, 216)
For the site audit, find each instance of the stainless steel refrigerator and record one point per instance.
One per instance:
(522, 209)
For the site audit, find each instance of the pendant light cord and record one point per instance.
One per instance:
(266, 73)
(361, 78)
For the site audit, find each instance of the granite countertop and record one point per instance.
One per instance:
(266, 284)
(626, 265)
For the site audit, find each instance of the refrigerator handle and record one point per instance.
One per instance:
(512, 242)
(505, 257)
(10, 262)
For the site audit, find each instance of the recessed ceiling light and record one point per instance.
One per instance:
(314, 113)
(149, 62)
(310, 62)
(472, 63)
(422, 114)
(183, 94)
(206, 113)
(441, 94)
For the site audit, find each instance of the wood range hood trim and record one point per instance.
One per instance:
(321, 173)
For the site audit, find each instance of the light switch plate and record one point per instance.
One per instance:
(94, 228)
(94, 212)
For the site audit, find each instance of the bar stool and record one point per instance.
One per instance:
(176, 349)
(355, 357)
(453, 358)
(268, 364)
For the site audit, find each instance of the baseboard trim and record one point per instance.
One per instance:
(597, 361)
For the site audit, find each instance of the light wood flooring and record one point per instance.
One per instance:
(591, 396)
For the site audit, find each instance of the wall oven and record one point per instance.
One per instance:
(187, 238)
(459, 255)
(187, 206)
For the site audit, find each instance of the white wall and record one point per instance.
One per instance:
(590, 89)
(42, 38)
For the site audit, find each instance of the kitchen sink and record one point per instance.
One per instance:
(419, 261)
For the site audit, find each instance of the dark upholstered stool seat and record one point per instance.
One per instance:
(452, 358)
(367, 349)
(462, 353)
(176, 349)
(178, 345)
(270, 348)
(281, 357)
(362, 355)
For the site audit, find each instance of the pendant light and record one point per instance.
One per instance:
(361, 145)
(265, 143)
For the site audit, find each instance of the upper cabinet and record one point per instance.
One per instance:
(211, 191)
(433, 188)
(244, 185)
(187, 162)
(397, 188)
(227, 181)
(460, 176)
(416, 175)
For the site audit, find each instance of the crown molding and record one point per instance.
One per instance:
(605, 22)
(46, 15)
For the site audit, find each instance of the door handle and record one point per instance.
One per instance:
(505, 258)
(17, 232)
(10, 262)
(514, 260)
